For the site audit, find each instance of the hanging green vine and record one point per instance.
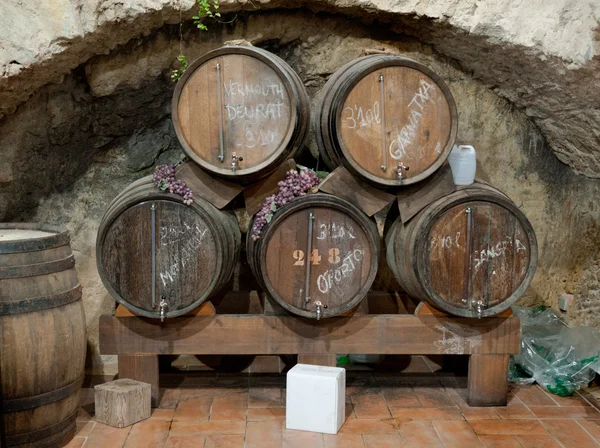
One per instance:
(206, 9)
(177, 72)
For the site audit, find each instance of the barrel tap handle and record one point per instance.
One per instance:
(163, 306)
(235, 161)
(399, 170)
(319, 306)
(479, 306)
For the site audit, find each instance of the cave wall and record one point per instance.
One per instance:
(74, 144)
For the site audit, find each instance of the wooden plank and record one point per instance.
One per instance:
(140, 367)
(216, 191)
(205, 309)
(255, 194)
(342, 184)
(488, 380)
(424, 309)
(318, 360)
(263, 335)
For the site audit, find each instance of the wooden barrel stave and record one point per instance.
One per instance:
(322, 122)
(475, 276)
(205, 238)
(357, 144)
(43, 340)
(263, 145)
(345, 244)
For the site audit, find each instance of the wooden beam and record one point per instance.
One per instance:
(266, 335)
(141, 368)
(488, 380)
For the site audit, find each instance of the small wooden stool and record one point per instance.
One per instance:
(122, 402)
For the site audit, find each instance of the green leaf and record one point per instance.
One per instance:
(218, 14)
(321, 174)
(269, 217)
(163, 187)
(273, 207)
(195, 17)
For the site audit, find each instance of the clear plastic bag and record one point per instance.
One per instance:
(559, 358)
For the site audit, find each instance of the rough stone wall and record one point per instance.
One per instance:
(541, 55)
(72, 146)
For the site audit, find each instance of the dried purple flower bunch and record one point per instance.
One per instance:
(164, 178)
(296, 183)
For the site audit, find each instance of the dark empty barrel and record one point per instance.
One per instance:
(388, 119)
(42, 336)
(318, 256)
(161, 258)
(471, 253)
(239, 111)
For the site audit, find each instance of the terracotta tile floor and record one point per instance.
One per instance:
(421, 406)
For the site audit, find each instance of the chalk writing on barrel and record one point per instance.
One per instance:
(254, 113)
(357, 117)
(332, 277)
(258, 137)
(494, 251)
(335, 231)
(417, 108)
(265, 88)
(190, 240)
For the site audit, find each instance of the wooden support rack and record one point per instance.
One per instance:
(488, 341)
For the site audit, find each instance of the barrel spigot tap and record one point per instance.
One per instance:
(399, 171)
(235, 161)
(163, 307)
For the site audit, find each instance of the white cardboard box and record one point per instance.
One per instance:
(316, 398)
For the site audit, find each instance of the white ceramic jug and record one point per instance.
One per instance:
(463, 162)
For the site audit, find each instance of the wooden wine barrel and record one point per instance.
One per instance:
(472, 253)
(321, 265)
(384, 115)
(42, 336)
(151, 246)
(242, 106)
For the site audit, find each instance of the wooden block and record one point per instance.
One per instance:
(256, 194)
(412, 199)
(205, 309)
(488, 380)
(141, 368)
(216, 191)
(317, 359)
(424, 309)
(342, 184)
(122, 402)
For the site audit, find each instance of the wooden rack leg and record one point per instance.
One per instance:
(318, 360)
(141, 368)
(488, 380)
